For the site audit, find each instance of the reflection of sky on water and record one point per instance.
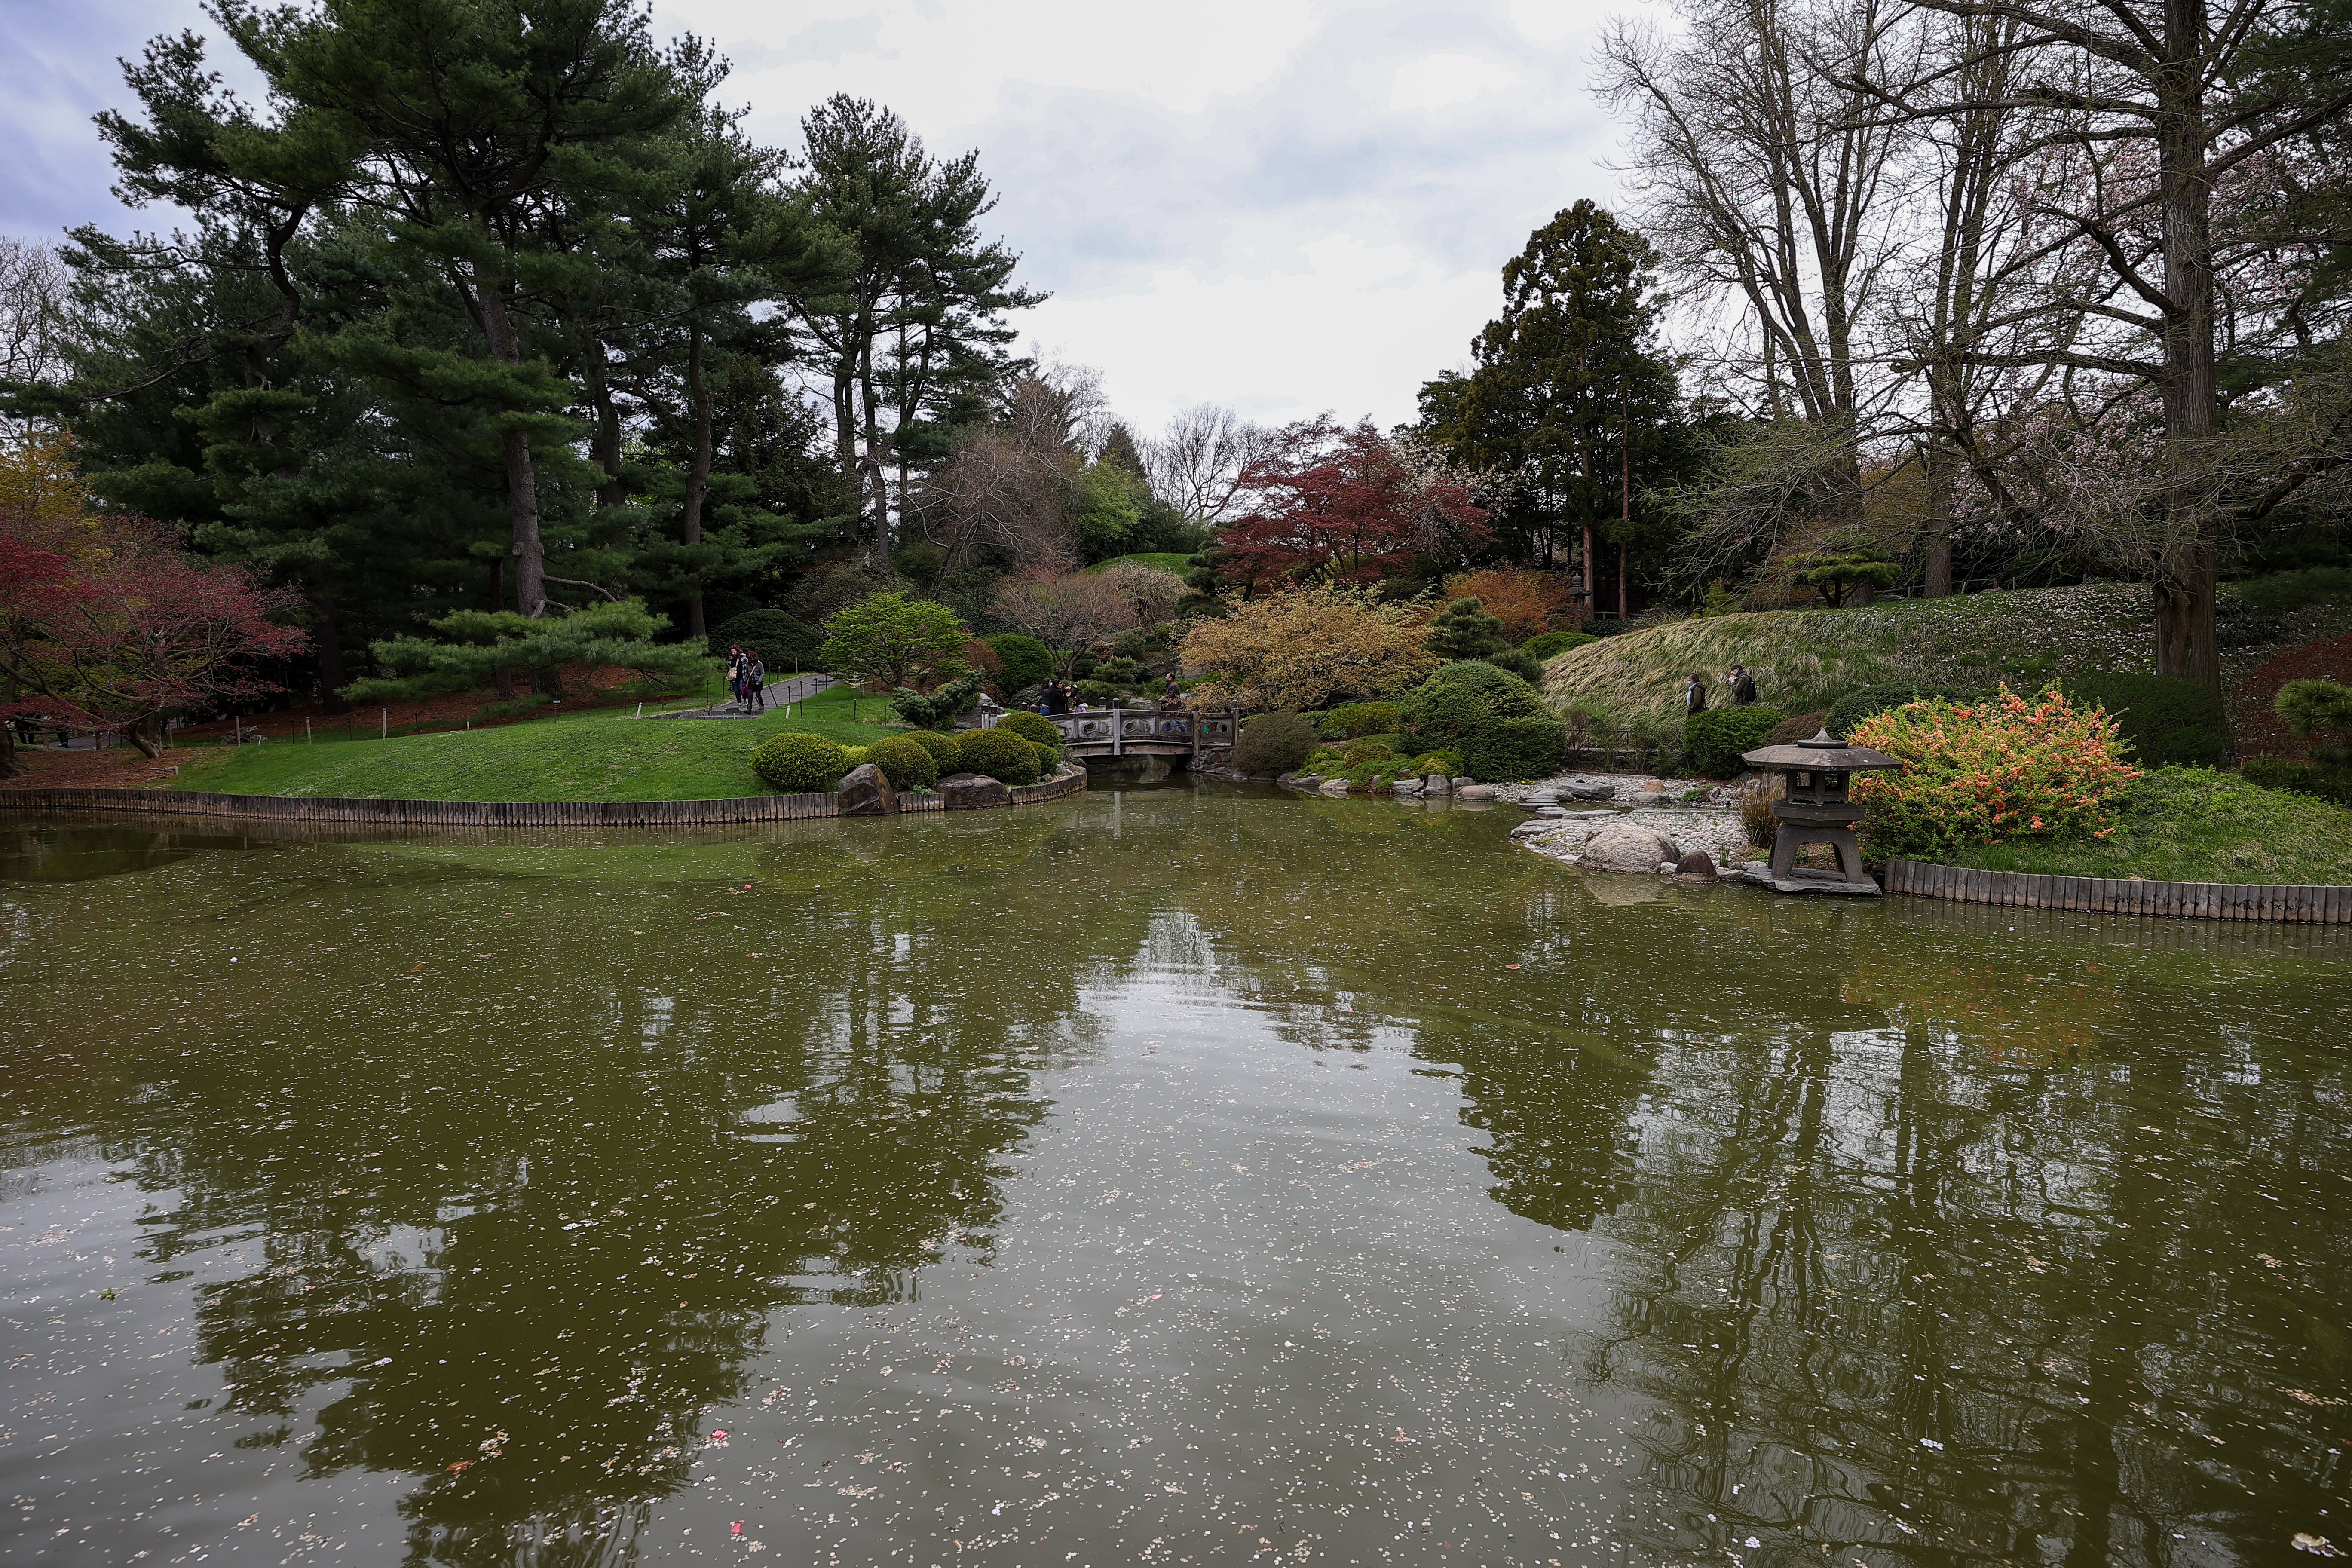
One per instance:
(1222, 1196)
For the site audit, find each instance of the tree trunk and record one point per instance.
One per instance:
(1939, 466)
(11, 764)
(502, 682)
(2188, 583)
(605, 446)
(522, 486)
(147, 734)
(874, 480)
(1591, 604)
(698, 475)
(326, 639)
(1625, 597)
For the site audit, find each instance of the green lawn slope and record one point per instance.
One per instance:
(1803, 659)
(2193, 825)
(588, 757)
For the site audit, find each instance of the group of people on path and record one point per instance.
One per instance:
(1061, 697)
(747, 678)
(1742, 685)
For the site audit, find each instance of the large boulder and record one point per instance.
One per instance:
(1627, 847)
(1437, 783)
(1695, 865)
(971, 791)
(1586, 789)
(866, 791)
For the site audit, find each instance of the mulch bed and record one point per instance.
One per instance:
(2259, 732)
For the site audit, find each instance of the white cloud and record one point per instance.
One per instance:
(1444, 81)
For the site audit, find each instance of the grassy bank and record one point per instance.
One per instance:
(1803, 659)
(1157, 559)
(2193, 825)
(587, 756)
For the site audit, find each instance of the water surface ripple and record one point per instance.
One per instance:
(1175, 1175)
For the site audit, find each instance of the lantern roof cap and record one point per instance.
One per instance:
(1820, 755)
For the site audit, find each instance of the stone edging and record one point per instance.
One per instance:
(488, 813)
(2121, 896)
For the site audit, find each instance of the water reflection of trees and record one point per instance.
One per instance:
(1894, 1294)
(520, 1226)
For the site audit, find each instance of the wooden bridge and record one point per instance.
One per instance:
(1147, 733)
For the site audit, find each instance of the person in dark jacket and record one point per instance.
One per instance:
(1743, 687)
(1694, 695)
(755, 681)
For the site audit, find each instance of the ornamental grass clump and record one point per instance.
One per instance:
(1987, 773)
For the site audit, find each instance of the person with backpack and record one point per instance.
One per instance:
(1743, 687)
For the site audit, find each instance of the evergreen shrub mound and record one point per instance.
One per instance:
(905, 762)
(1496, 721)
(1551, 645)
(2284, 590)
(998, 754)
(1101, 693)
(1024, 662)
(1354, 719)
(1049, 759)
(800, 763)
(2297, 775)
(779, 638)
(1428, 762)
(1273, 743)
(1795, 728)
(1032, 727)
(1712, 740)
(943, 747)
(2170, 722)
(1853, 707)
(1368, 750)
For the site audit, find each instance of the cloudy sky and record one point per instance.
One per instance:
(1287, 206)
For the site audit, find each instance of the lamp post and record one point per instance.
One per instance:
(1817, 809)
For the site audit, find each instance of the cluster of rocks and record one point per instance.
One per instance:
(1433, 785)
(866, 791)
(1624, 789)
(1697, 846)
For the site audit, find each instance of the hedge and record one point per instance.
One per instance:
(2170, 722)
(1713, 738)
(1000, 753)
(1497, 720)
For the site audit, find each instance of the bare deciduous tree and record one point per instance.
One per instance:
(35, 287)
(1197, 464)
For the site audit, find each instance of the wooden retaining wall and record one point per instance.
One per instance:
(2118, 896)
(485, 812)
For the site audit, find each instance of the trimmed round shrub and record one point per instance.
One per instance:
(1049, 759)
(798, 763)
(1547, 646)
(1024, 661)
(2169, 721)
(1496, 721)
(1032, 727)
(1520, 662)
(999, 754)
(1795, 728)
(905, 762)
(1714, 739)
(943, 747)
(1273, 743)
(1101, 693)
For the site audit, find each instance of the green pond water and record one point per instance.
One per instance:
(1178, 1174)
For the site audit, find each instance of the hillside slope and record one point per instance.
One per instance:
(1803, 658)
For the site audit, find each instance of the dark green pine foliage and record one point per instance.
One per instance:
(1464, 630)
(1568, 394)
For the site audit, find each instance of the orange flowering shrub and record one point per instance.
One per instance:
(1982, 773)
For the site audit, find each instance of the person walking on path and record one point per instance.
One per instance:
(1743, 687)
(1694, 696)
(735, 672)
(755, 682)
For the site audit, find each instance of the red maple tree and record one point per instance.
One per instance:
(107, 623)
(1346, 500)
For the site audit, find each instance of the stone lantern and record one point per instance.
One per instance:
(1817, 810)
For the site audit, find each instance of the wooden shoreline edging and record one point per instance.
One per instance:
(2307, 905)
(486, 812)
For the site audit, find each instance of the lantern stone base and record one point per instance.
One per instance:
(1788, 876)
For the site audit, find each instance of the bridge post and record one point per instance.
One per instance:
(1117, 732)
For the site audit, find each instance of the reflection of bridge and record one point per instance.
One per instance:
(1146, 732)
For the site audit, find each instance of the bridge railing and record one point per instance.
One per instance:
(1112, 730)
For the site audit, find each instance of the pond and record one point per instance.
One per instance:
(1180, 1174)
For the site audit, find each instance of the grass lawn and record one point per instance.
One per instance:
(1159, 560)
(2193, 825)
(587, 756)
